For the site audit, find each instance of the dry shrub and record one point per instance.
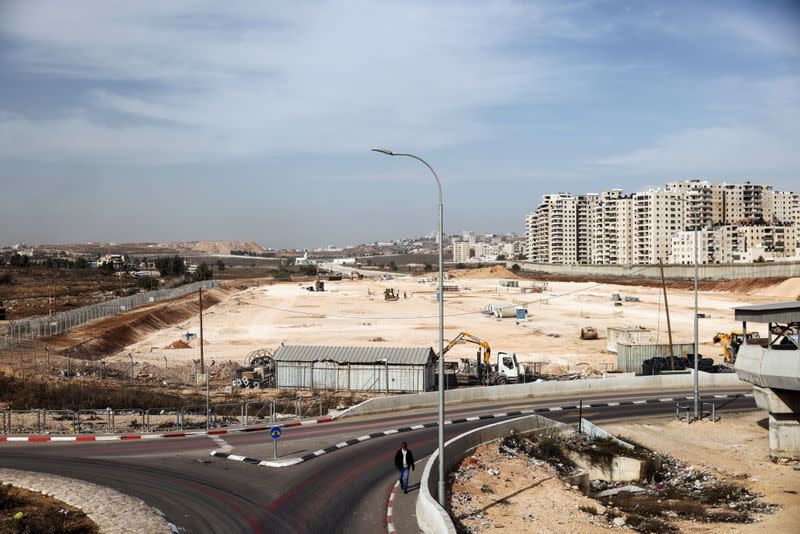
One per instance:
(649, 524)
(33, 392)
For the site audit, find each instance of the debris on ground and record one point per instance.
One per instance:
(178, 344)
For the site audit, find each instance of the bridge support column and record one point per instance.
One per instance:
(783, 406)
(784, 435)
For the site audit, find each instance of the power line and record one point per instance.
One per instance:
(413, 317)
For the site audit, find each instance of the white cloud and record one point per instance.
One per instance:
(242, 78)
(755, 135)
(737, 152)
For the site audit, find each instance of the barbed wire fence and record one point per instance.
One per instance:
(34, 328)
(109, 421)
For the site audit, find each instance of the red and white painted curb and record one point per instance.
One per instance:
(389, 519)
(125, 437)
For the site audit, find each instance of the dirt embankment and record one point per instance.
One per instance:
(758, 286)
(107, 336)
(482, 273)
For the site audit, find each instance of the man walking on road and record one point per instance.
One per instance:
(404, 460)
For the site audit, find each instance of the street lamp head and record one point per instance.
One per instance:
(383, 151)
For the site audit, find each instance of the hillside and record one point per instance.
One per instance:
(222, 247)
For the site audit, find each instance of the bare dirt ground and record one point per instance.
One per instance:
(355, 313)
(39, 291)
(736, 447)
(495, 493)
(492, 492)
(39, 513)
(109, 335)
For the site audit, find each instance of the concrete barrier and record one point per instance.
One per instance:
(431, 517)
(736, 271)
(571, 388)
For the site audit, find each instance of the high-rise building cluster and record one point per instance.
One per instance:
(735, 223)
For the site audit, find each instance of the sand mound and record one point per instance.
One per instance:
(789, 289)
(484, 273)
(179, 344)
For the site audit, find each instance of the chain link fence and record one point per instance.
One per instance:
(53, 325)
(108, 421)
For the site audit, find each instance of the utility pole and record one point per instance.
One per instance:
(666, 308)
(202, 361)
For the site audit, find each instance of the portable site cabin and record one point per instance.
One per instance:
(380, 369)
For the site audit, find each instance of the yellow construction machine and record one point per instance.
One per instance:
(731, 341)
(504, 370)
(389, 294)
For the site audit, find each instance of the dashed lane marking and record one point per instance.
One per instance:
(293, 461)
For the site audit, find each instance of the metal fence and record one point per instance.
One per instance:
(53, 325)
(134, 420)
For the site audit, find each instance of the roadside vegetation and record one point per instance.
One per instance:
(25, 512)
(28, 392)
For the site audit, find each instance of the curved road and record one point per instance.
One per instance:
(344, 491)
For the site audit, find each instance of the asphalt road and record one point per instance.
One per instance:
(344, 491)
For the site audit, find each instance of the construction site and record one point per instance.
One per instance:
(553, 329)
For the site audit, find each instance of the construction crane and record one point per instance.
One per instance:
(466, 336)
(506, 369)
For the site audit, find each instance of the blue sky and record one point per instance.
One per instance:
(156, 121)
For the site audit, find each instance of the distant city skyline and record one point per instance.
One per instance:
(147, 122)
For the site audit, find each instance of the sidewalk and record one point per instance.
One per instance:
(404, 507)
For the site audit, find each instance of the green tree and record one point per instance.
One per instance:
(18, 260)
(308, 270)
(171, 265)
(147, 282)
(428, 267)
(501, 257)
(220, 265)
(5, 279)
(516, 268)
(81, 263)
(203, 272)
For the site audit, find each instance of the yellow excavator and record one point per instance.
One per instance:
(731, 341)
(506, 369)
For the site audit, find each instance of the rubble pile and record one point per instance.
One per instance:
(671, 489)
(541, 448)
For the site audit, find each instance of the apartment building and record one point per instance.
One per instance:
(651, 226)
(782, 207)
(461, 251)
(683, 247)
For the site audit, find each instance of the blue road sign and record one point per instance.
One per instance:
(275, 432)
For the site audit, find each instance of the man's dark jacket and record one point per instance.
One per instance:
(398, 459)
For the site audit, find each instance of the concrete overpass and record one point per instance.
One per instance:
(772, 365)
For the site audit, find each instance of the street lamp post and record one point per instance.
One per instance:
(696, 395)
(441, 315)
(696, 326)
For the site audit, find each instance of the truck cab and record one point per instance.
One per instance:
(508, 368)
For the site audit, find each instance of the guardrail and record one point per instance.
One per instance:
(532, 390)
(431, 517)
(130, 420)
(53, 325)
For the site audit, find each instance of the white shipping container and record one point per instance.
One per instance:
(632, 335)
